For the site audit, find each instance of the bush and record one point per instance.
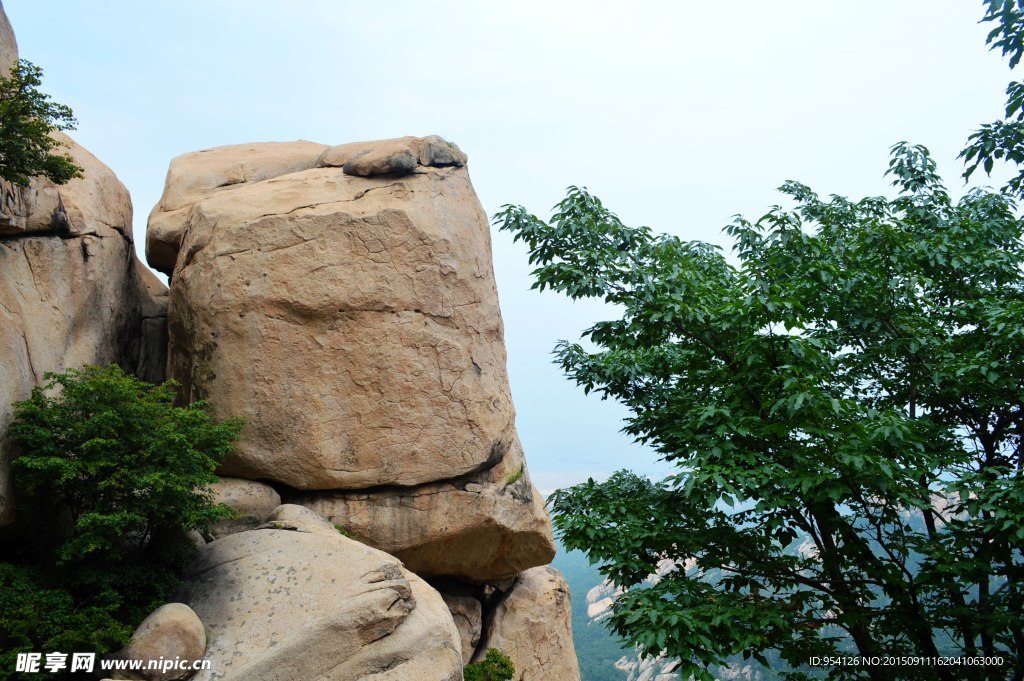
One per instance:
(496, 666)
(110, 478)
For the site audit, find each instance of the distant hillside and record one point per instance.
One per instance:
(597, 649)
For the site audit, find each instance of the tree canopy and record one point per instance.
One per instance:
(843, 403)
(843, 407)
(27, 120)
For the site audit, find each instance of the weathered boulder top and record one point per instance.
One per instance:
(196, 175)
(342, 300)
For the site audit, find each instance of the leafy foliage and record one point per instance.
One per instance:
(496, 666)
(110, 477)
(853, 383)
(27, 119)
(1002, 140)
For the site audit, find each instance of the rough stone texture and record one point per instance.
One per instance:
(71, 291)
(353, 321)
(82, 207)
(386, 159)
(484, 528)
(399, 155)
(197, 175)
(252, 501)
(467, 612)
(8, 43)
(149, 343)
(308, 603)
(533, 626)
(171, 631)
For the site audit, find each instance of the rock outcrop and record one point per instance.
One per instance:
(342, 300)
(648, 668)
(352, 318)
(353, 321)
(532, 624)
(599, 603)
(297, 600)
(71, 290)
(487, 527)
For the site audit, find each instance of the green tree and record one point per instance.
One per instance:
(109, 479)
(496, 666)
(27, 119)
(1002, 140)
(843, 406)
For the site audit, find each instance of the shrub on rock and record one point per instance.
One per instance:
(110, 478)
(496, 666)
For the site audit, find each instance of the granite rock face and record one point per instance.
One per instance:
(71, 290)
(532, 624)
(345, 305)
(353, 321)
(195, 176)
(484, 528)
(467, 613)
(297, 600)
(8, 43)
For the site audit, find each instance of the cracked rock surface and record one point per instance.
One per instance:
(484, 528)
(352, 320)
(532, 624)
(295, 599)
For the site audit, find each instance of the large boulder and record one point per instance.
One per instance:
(352, 320)
(297, 600)
(71, 290)
(487, 527)
(532, 624)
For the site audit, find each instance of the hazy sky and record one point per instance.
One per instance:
(677, 114)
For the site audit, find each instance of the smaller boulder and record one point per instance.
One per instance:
(437, 152)
(391, 158)
(398, 156)
(172, 631)
(252, 501)
(299, 519)
(533, 626)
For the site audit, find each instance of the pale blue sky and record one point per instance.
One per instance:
(677, 114)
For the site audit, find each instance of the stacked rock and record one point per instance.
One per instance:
(342, 300)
